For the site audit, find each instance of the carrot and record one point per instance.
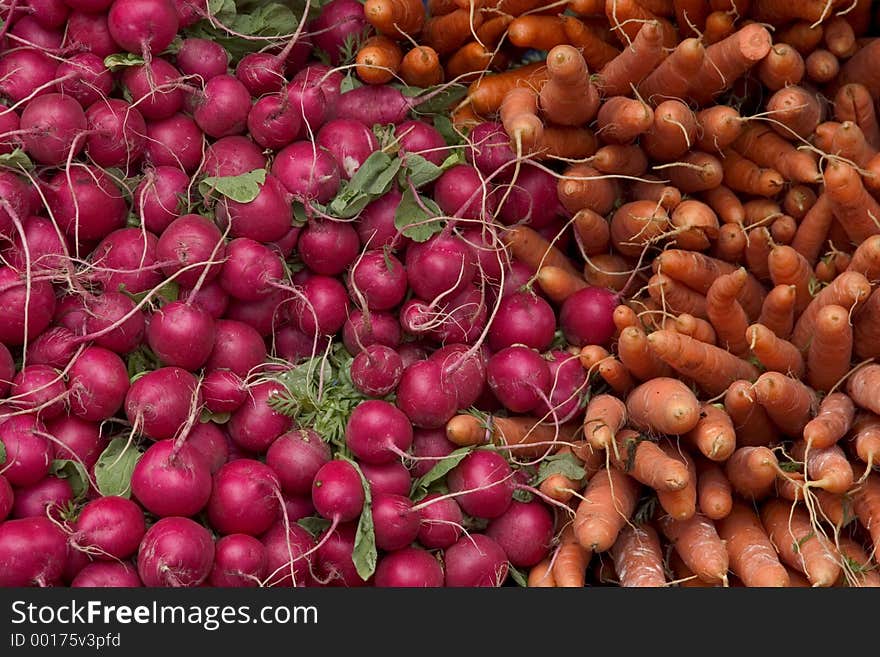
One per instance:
(731, 243)
(827, 467)
(627, 16)
(570, 566)
(671, 77)
(752, 471)
(853, 102)
(447, 33)
(559, 284)
(763, 146)
(620, 159)
(672, 133)
(761, 211)
(536, 31)
(752, 556)
(608, 502)
(608, 270)
(592, 231)
(621, 120)
(788, 402)
(866, 259)
(469, 62)
(714, 493)
(596, 52)
(713, 369)
(849, 143)
(782, 66)
(624, 317)
(690, 17)
(593, 460)
(519, 116)
(803, 36)
(616, 375)
(541, 575)
(790, 268)
(637, 60)
(663, 405)
(862, 386)
(726, 314)
(684, 576)
(396, 19)
(797, 543)
(729, 59)
(696, 541)
(637, 224)
(492, 30)
(796, 111)
(719, 26)
(725, 203)
(714, 436)
(420, 67)
(865, 440)
(848, 290)
(695, 172)
(565, 142)
(522, 435)
(486, 94)
(858, 15)
(674, 297)
(866, 506)
(743, 175)
(852, 205)
(699, 271)
(696, 328)
(637, 356)
(774, 353)
(568, 97)
(664, 8)
(651, 188)
(378, 60)
(605, 415)
(531, 248)
(822, 66)
(830, 349)
(824, 271)
(866, 328)
(858, 570)
(518, 7)
(719, 126)
(587, 7)
(440, 7)
(638, 557)
(779, 12)
(465, 118)
(582, 186)
(813, 229)
(783, 230)
(777, 313)
(839, 37)
(798, 200)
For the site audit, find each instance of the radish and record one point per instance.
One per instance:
(76, 439)
(293, 345)
(335, 566)
(160, 403)
(33, 551)
(265, 314)
(425, 394)
(202, 57)
(313, 99)
(524, 532)
(516, 278)
(117, 132)
(210, 442)
(328, 247)
(285, 563)
(349, 142)
(532, 198)
(193, 248)
(155, 88)
(223, 107)
(223, 391)
(143, 26)
(273, 121)
(51, 14)
(339, 20)
(523, 318)
(160, 197)
(30, 31)
(250, 269)
(46, 247)
(298, 507)
(84, 78)
(409, 567)
(190, 12)
(440, 521)
(309, 173)
(420, 138)
(7, 369)
(98, 383)
(462, 369)
(28, 453)
(392, 478)
(29, 71)
(429, 446)
(372, 104)
(461, 192)
(181, 335)
(237, 347)
(375, 225)
(360, 331)
(7, 499)
(379, 278)
(55, 347)
(322, 307)
(395, 523)
(127, 257)
(48, 497)
(115, 322)
(233, 156)
(586, 317)
(519, 378)
(39, 388)
(337, 492)
(210, 297)
(90, 33)
(441, 265)
(568, 383)
(296, 457)
(378, 432)
(265, 219)
(51, 124)
(376, 370)
(483, 482)
(86, 203)
(174, 142)
(475, 560)
(107, 574)
(244, 498)
(239, 560)
(463, 317)
(171, 482)
(175, 552)
(255, 425)
(109, 528)
(489, 149)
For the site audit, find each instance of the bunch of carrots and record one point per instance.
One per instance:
(720, 164)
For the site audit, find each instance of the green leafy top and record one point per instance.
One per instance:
(17, 159)
(115, 466)
(421, 486)
(242, 188)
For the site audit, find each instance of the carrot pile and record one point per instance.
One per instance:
(719, 164)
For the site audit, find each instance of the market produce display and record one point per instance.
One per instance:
(457, 293)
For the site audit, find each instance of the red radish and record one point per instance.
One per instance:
(427, 445)
(98, 383)
(519, 377)
(175, 142)
(127, 257)
(7, 369)
(28, 453)
(489, 149)
(51, 124)
(475, 560)
(115, 322)
(265, 219)
(239, 560)
(160, 197)
(335, 566)
(193, 248)
(86, 203)
(426, 395)
(375, 226)
(586, 317)
(109, 528)
(181, 335)
(392, 478)
(170, 482)
(422, 139)
(321, 310)
(461, 192)
(84, 78)
(23, 72)
(483, 482)
(202, 57)
(307, 172)
(349, 142)
(273, 121)
(255, 425)
(233, 156)
(117, 133)
(380, 278)
(210, 442)
(376, 370)
(523, 318)
(77, 439)
(33, 552)
(161, 402)
(91, 33)
(155, 88)
(250, 269)
(295, 457)
(223, 108)
(175, 552)
(409, 567)
(107, 574)
(285, 563)
(328, 247)
(237, 347)
(261, 73)
(48, 497)
(395, 523)
(377, 432)
(337, 491)
(338, 21)
(244, 498)
(7, 499)
(210, 297)
(463, 370)
(524, 532)
(441, 265)
(223, 391)
(39, 387)
(361, 330)
(440, 522)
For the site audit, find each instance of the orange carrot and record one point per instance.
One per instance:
(608, 270)
(725, 203)
(620, 159)
(858, 569)
(830, 349)
(798, 200)
(530, 247)
(486, 94)
(803, 36)
(608, 502)
(637, 224)
(763, 146)
(788, 267)
(779, 13)
(751, 422)
(624, 317)
(568, 97)
(621, 120)
(798, 545)
(865, 440)
(469, 62)
(752, 472)
(866, 259)
(592, 231)
(650, 188)
(638, 557)
(583, 186)
(731, 243)
(696, 328)
(695, 172)
(663, 405)
(627, 16)
(519, 116)
(714, 436)
(839, 37)
(615, 375)
(559, 284)
(719, 126)
(726, 314)
(757, 252)
(420, 67)
(713, 369)
(690, 17)
(813, 229)
(848, 290)
(637, 356)
(541, 575)
(396, 19)
(862, 387)
(795, 110)
(833, 420)
(866, 328)
(447, 33)
(674, 297)
(522, 435)
(619, 76)
(671, 77)
(774, 353)
(853, 102)
(492, 30)
(752, 556)
(596, 52)
(783, 229)
(536, 31)
(866, 506)
(822, 66)
(679, 504)
(697, 542)
(852, 205)
(827, 468)
(782, 66)
(743, 175)
(565, 142)
(849, 142)
(719, 26)
(788, 402)
(672, 133)
(714, 493)
(570, 566)
(777, 313)
(605, 415)
(684, 576)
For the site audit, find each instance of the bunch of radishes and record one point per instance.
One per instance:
(240, 298)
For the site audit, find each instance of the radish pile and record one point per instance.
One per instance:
(277, 311)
